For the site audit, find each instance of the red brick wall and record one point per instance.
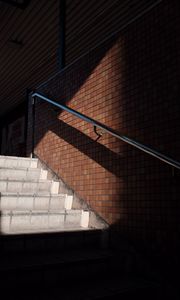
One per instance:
(130, 83)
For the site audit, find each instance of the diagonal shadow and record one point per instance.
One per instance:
(65, 84)
(99, 153)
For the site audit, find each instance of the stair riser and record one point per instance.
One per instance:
(32, 203)
(24, 222)
(15, 174)
(29, 187)
(57, 274)
(18, 163)
(50, 242)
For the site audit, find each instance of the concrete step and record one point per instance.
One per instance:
(19, 186)
(34, 221)
(28, 260)
(30, 201)
(81, 275)
(32, 174)
(49, 241)
(22, 162)
(66, 266)
(88, 288)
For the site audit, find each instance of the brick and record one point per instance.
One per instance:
(133, 87)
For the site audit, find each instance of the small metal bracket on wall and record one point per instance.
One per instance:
(99, 134)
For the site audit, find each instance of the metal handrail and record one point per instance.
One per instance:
(113, 132)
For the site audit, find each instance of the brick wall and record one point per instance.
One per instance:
(130, 83)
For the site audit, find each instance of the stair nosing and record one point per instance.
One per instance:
(49, 231)
(45, 211)
(29, 181)
(21, 168)
(28, 194)
(18, 158)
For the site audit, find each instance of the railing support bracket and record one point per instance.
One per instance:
(99, 134)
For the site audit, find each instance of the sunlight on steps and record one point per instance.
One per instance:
(30, 202)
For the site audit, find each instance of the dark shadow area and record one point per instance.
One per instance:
(151, 111)
(148, 206)
(145, 212)
(99, 153)
(13, 132)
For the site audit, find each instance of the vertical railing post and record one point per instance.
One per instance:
(62, 34)
(28, 91)
(33, 124)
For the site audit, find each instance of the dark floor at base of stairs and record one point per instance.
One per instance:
(76, 275)
(95, 289)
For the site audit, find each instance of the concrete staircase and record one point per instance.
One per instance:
(29, 202)
(48, 250)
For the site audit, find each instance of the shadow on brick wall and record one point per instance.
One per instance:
(146, 210)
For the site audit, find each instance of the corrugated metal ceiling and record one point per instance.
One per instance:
(28, 51)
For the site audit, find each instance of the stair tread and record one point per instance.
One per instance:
(38, 194)
(106, 289)
(43, 211)
(18, 158)
(96, 289)
(36, 259)
(30, 180)
(28, 185)
(20, 168)
(63, 229)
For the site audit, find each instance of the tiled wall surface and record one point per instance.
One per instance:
(130, 83)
